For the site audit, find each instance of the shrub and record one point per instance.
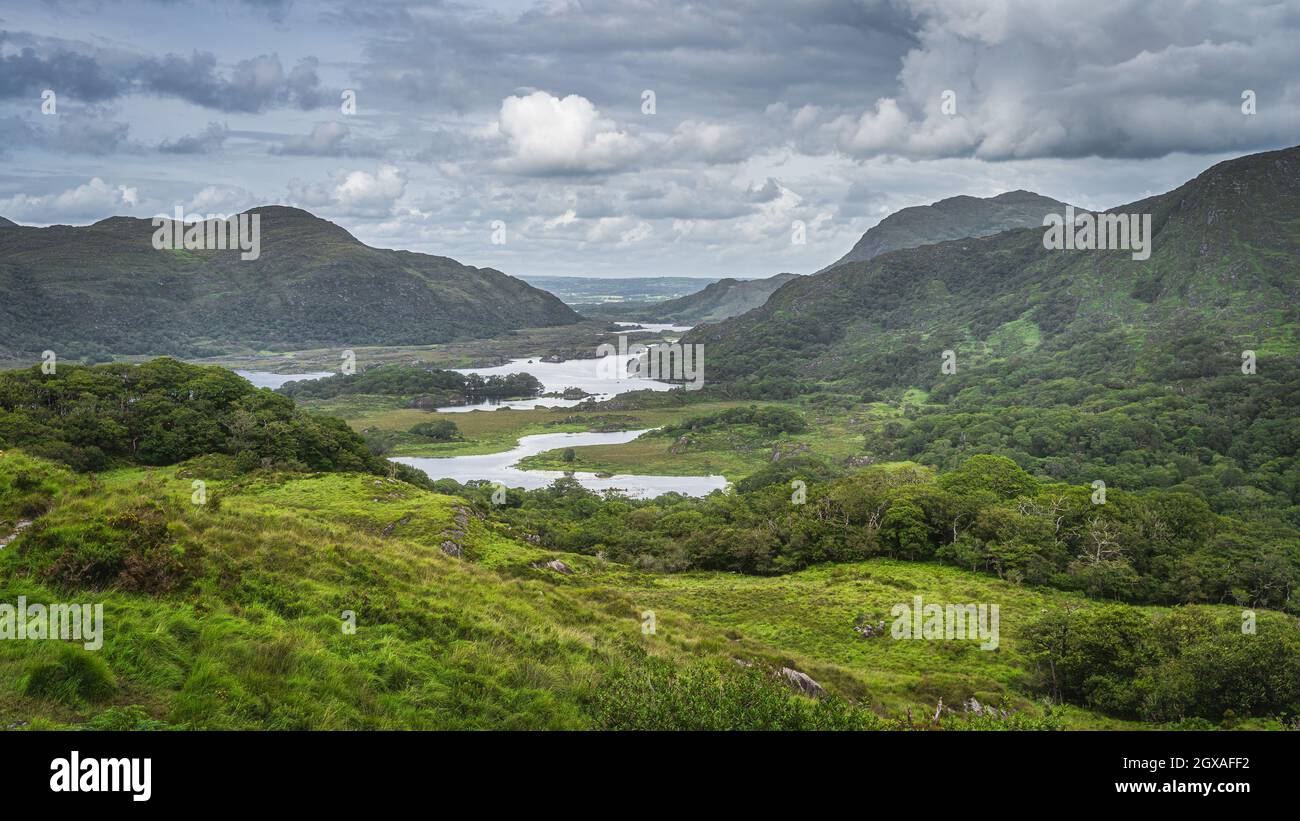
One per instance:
(75, 674)
(443, 430)
(654, 694)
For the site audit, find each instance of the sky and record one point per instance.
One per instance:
(626, 137)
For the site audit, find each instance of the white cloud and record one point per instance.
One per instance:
(94, 199)
(354, 193)
(365, 189)
(222, 199)
(711, 142)
(548, 135)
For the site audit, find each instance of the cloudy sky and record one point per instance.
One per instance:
(626, 137)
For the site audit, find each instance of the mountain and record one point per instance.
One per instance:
(103, 289)
(1223, 271)
(952, 218)
(7, 223)
(718, 301)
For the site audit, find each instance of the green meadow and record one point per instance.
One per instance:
(234, 613)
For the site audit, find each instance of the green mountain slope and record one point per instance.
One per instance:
(1080, 365)
(103, 289)
(1226, 246)
(951, 218)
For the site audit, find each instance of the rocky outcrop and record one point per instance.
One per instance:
(21, 525)
(803, 682)
(554, 564)
(452, 549)
(388, 531)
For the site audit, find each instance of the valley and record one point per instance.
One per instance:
(528, 540)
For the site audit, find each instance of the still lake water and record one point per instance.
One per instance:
(499, 467)
(266, 379)
(605, 378)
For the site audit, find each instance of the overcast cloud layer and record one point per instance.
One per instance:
(626, 137)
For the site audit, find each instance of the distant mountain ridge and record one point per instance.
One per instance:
(103, 289)
(948, 219)
(1221, 279)
(718, 301)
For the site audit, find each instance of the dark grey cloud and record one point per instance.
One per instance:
(27, 73)
(16, 131)
(91, 131)
(700, 59)
(207, 141)
(77, 71)
(765, 112)
(329, 139)
(253, 85)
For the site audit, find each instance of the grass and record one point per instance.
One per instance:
(258, 638)
(734, 451)
(834, 434)
(490, 431)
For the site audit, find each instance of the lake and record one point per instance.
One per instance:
(266, 379)
(652, 326)
(604, 377)
(499, 467)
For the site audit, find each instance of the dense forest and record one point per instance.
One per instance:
(162, 412)
(427, 387)
(988, 515)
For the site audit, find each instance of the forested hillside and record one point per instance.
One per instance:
(1081, 366)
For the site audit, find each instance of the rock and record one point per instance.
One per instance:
(803, 682)
(452, 549)
(21, 525)
(388, 531)
(868, 630)
(554, 564)
(779, 453)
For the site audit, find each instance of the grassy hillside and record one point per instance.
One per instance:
(249, 631)
(102, 289)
